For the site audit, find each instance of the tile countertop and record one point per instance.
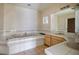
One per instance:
(61, 49)
(56, 34)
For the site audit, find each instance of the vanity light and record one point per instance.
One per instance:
(65, 7)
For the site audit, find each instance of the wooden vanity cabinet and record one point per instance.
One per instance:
(47, 40)
(52, 40)
(56, 40)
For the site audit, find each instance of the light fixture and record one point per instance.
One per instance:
(65, 7)
(28, 4)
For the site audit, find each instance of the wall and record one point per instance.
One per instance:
(41, 26)
(53, 23)
(1, 20)
(77, 19)
(18, 18)
(9, 17)
(26, 18)
(1, 16)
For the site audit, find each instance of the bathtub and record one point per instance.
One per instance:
(15, 45)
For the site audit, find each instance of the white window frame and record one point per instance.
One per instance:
(45, 20)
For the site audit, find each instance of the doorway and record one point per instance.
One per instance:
(71, 25)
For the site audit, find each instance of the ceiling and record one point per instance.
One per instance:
(28, 5)
(42, 6)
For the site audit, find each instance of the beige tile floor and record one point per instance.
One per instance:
(39, 50)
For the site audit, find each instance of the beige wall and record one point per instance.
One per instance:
(9, 17)
(77, 19)
(1, 20)
(41, 26)
(1, 16)
(18, 18)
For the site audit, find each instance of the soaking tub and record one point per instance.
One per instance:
(15, 45)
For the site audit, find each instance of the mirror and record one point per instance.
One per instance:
(60, 21)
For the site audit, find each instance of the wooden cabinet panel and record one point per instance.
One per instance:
(55, 41)
(61, 39)
(58, 38)
(47, 41)
(52, 40)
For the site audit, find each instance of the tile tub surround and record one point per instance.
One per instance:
(61, 49)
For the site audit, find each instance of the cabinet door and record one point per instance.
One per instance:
(60, 39)
(56, 40)
(47, 40)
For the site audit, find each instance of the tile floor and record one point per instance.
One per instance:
(39, 50)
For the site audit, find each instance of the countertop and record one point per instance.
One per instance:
(56, 34)
(61, 49)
